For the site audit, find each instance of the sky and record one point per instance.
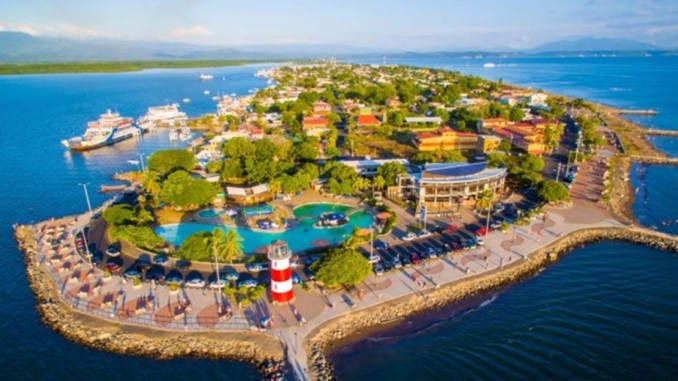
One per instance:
(417, 25)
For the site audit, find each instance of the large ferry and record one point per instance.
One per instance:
(164, 114)
(109, 129)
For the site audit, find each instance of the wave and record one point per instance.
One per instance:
(619, 89)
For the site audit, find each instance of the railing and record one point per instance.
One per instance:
(185, 323)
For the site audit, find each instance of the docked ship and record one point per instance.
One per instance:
(161, 115)
(109, 129)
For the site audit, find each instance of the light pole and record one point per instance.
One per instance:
(89, 206)
(558, 173)
(89, 256)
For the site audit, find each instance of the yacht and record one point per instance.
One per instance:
(206, 77)
(174, 135)
(489, 65)
(109, 129)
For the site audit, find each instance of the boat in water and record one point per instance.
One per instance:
(109, 129)
(206, 77)
(489, 65)
(174, 135)
(186, 100)
(164, 115)
(185, 133)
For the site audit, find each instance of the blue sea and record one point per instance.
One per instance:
(606, 311)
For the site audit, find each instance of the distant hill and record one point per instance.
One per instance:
(22, 47)
(590, 44)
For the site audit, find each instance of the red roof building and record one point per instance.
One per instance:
(322, 108)
(367, 120)
(446, 139)
(315, 126)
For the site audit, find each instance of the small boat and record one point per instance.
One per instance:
(206, 77)
(174, 135)
(186, 100)
(133, 162)
(206, 92)
(185, 133)
(489, 65)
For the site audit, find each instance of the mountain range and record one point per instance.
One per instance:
(22, 47)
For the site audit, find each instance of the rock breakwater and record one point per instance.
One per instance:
(334, 332)
(262, 350)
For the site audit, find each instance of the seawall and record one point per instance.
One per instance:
(332, 333)
(263, 351)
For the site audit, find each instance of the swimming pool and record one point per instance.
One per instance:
(210, 213)
(301, 237)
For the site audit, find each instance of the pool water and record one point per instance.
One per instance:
(301, 237)
(210, 213)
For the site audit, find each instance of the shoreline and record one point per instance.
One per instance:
(335, 333)
(264, 352)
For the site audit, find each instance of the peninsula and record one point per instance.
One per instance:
(340, 198)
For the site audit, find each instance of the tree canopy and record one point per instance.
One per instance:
(196, 247)
(181, 190)
(390, 171)
(140, 236)
(120, 214)
(341, 266)
(167, 161)
(551, 190)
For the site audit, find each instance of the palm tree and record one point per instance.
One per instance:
(379, 182)
(484, 200)
(151, 183)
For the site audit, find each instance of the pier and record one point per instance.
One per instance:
(656, 132)
(637, 112)
(655, 159)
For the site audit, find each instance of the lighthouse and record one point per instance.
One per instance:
(281, 273)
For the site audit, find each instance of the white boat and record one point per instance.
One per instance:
(206, 77)
(186, 100)
(146, 124)
(109, 129)
(206, 92)
(167, 114)
(185, 133)
(174, 135)
(489, 65)
(133, 162)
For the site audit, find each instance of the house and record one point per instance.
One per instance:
(537, 99)
(446, 139)
(322, 108)
(487, 143)
(423, 119)
(393, 102)
(526, 139)
(492, 123)
(315, 126)
(248, 195)
(367, 120)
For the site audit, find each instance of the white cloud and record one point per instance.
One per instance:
(60, 30)
(191, 31)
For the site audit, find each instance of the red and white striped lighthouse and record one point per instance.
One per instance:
(281, 273)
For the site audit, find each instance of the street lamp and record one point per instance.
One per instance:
(89, 206)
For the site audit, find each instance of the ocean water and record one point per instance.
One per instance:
(37, 111)
(603, 312)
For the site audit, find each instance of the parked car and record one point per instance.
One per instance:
(131, 273)
(113, 267)
(183, 264)
(406, 261)
(440, 249)
(374, 258)
(296, 279)
(254, 267)
(195, 283)
(173, 279)
(381, 245)
(424, 233)
(378, 269)
(480, 241)
(409, 237)
(160, 259)
(217, 284)
(496, 223)
(231, 275)
(473, 243)
(248, 283)
(113, 251)
(431, 252)
(397, 263)
(498, 207)
(415, 258)
(456, 247)
(450, 229)
(387, 265)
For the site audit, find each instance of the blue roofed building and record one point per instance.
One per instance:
(441, 186)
